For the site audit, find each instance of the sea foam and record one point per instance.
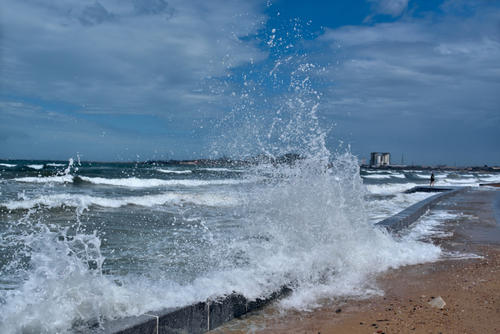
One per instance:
(131, 182)
(85, 201)
(172, 171)
(46, 179)
(37, 167)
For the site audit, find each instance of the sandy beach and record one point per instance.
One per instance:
(469, 286)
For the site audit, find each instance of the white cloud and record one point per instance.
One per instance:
(389, 7)
(407, 32)
(123, 56)
(145, 61)
(433, 75)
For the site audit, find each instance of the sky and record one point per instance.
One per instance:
(126, 80)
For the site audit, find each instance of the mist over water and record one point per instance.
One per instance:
(85, 242)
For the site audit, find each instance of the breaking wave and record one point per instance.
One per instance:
(131, 182)
(171, 171)
(47, 179)
(86, 201)
(219, 169)
(375, 176)
(36, 167)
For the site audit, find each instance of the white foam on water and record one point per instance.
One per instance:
(85, 201)
(37, 167)
(459, 182)
(387, 189)
(60, 290)
(428, 176)
(490, 178)
(53, 164)
(220, 169)
(7, 165)
(134, 182)
(131, 182)
(350, 272)
(432, 225)
(172, 171)
(377, 176)
(46, 179)
(455, 255)
(380, 209)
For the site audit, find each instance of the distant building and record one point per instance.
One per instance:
(378, 159)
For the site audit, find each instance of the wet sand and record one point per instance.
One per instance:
(469, 287)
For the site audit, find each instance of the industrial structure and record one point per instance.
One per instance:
(378, 159)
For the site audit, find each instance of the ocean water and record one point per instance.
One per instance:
(85, 242)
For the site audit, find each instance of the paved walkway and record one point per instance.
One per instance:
(478, 213)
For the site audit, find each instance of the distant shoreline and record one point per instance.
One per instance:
(436, 168)
(225, 162)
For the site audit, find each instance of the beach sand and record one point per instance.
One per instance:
(469, 287)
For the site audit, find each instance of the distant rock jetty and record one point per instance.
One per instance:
(485, 168)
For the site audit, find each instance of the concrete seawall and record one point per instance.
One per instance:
(196, 318)
(204, 316)
(409, 215)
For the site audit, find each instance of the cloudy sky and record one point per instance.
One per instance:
(153, 79)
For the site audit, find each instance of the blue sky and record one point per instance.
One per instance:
(157, 79)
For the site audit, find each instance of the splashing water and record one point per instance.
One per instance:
(299, 219)
(310, 218)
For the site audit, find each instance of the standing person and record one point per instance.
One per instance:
(432, 179)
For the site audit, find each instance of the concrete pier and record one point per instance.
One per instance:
(408, 216)
(433, 189)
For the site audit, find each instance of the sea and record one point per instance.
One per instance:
(85, 242)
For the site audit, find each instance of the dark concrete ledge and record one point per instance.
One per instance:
(490, 185)
(204, 316)
(428, 189)
(408, 216)
(196, 318)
